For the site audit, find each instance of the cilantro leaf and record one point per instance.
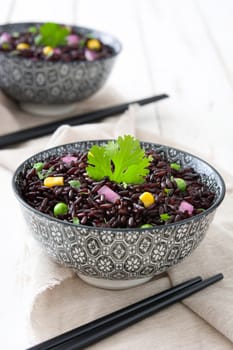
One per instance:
(75, 183)
(41, 173)
(75, 220)
(123, 161)
(165, 217)
(52, 34)
(99, 164)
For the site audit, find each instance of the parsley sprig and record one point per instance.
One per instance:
(122, 161)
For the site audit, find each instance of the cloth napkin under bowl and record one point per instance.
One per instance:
(41, 299)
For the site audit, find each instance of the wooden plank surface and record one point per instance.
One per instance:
(6, 10)
(43, 10)
(184, 62)
(130, 78)
(218, 22)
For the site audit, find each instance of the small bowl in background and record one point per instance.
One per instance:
(52, 88)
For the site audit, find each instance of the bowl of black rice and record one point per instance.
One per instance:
(117, 234)
(44, 66)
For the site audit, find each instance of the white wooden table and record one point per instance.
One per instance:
(183, 48)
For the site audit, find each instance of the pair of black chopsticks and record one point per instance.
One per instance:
(103, 327)
(46, 129)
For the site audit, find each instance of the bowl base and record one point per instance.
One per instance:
(113, 284)
(48, 110)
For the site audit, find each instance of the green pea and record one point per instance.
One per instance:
(60, 209)
(175, 166)
(38, 166)
(181, 184)
(146, 226)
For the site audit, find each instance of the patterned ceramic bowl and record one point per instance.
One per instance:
(46, 83)
(120, 258)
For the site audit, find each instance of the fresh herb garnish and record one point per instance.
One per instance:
(123, 161)
(42, 174)
(75, 220)
(39, 167)
(52, 34)
(165, 217)
(200, 210)
(75, 183)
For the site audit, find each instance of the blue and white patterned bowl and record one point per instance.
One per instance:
(120, 258)
(52, 83)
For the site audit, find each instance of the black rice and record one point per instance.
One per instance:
(88, 207)
(64, 53)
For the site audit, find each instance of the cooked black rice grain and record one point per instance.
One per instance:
(92, 209)
(65, 53)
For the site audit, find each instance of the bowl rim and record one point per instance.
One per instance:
(99, 32)
(213, 207)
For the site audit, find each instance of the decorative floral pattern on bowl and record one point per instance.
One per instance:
(121, 254)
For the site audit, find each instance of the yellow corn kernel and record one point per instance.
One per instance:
(22, 46)
(54, 181)
(147, 199)
(47, 50)
(93, 44)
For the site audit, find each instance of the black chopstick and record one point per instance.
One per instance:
(114, 317)
(91, 326)
(48, 128)
(89, 338)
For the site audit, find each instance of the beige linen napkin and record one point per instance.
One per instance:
(54, 299)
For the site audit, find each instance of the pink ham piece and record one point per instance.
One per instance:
(72, 40)
(109, 194)
(185, 206)
(69, 159)
(5, 38)
(90, 55)
(57, 51)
